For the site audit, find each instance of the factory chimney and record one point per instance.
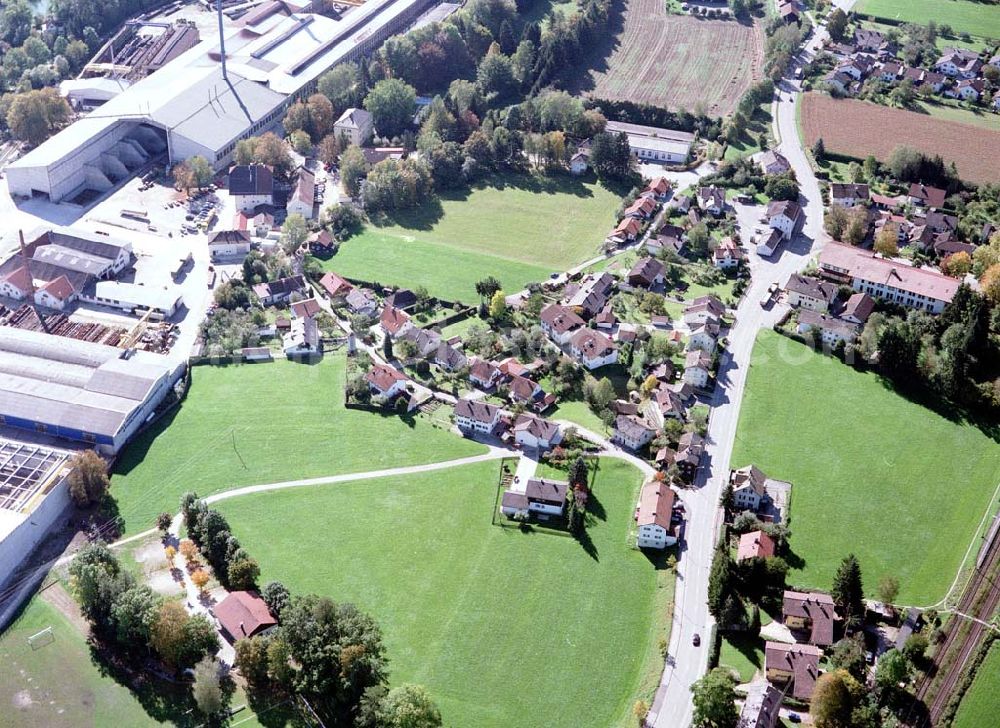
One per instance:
(222, 40)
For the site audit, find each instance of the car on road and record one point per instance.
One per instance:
(696, 640)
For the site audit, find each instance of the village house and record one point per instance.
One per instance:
(832, 330)
(590, 295)
(848, 195)
(425, 342)
(394, 322)
(783, 215)
(302, 200)
(727, 254)
(484, 374)
(356, 125)
(795, 667)
(670, 238)
(385, 381)
(772, 162)
(560, 323)
(647, 273)
(761, 707)
(475, 415)
(321, 243)
(522, 390)
(959, 63)
(858, 308)
(280, 290)
(788, 11)
(907, 285)
(967, 89)
(541, 495)
(755, 545)
(593, 349)
(606, 319)
(536, 433)
(712, 200)
(653, 516)
(626, 231)
(361, 301)
(448, 358)
(658, 189)
(810, 615)
(668, 404)
(839, 82)
(243, 614)
(690, 448)
(250, 186)
(866, 39)
(704, 336)
(579, 162)
(335, 287)
(925, 196)
(302, 337)
(642, 208)
(702, 309)
(224, 244)
(769, 242)
(697, 368)
(374, 155)
(306, 308)
(749, 488)
(402, 298)
(632, 432)
(811, 293)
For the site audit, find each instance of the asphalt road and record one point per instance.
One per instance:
(685, 664)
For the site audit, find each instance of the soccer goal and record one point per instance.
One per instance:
(40, 639)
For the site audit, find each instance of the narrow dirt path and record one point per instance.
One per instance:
(59, 598)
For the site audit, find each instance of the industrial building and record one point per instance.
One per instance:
(78, 390)
(206, 99)
(33, 496)
(655, 144)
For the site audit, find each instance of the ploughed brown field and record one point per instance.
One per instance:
(675, 61)
(859, 128)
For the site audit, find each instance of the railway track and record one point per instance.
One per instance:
(979, 600)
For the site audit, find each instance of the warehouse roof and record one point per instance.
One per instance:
(74, 384)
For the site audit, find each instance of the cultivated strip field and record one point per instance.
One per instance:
(677, 61)
(858, 128)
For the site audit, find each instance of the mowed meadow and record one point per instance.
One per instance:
(675, 61)
(503, 627)
(859, 128)
(518, 228)
(872, 472)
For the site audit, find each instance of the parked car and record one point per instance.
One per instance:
(696, 640)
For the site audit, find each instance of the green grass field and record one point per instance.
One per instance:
(743, 653)
(948, 112)
(980, 704)
(65, 683)
(265, 423)
(872, 472)
(504, 628)
(965, 16)
(520, 229)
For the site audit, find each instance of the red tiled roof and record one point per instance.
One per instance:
(60, 288)
(816, 607)
(755, 544)
(243, 614)
(334, 285)
(656, 501)
(20, 278)
(393, 320)
(867, 266)
(802, 661)
(382, 377)
(308, 307)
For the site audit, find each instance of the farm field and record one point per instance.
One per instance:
(518, 228)
(481, 615)
(856, 453)
(266, 423)
(980, 704)
(856, 128)
(964, 16)
(674, 60)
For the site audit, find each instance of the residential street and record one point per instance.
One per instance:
(685, 664)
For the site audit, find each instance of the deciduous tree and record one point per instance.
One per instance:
(409, 706)
(391, 103)
(714, 699)
(88, 479)
(207, 688)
